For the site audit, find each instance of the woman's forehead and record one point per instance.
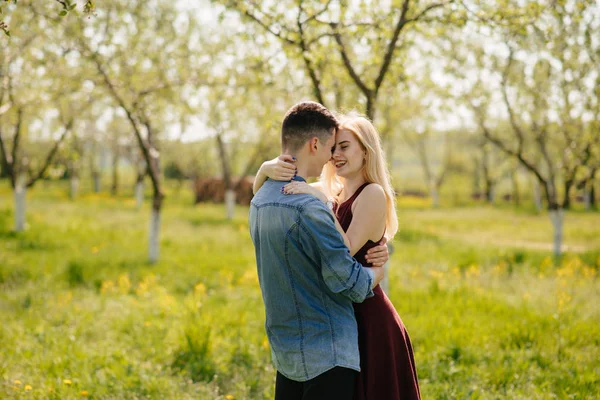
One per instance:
(343, 134)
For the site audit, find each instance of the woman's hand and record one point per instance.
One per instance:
(281, 168)
(378, 255)
(298, 187)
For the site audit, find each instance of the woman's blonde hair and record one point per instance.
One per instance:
(375, 169)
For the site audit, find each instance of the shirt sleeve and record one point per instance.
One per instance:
(341, 272)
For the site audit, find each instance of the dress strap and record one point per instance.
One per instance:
(357, 192)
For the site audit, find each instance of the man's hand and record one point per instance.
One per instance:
(379, 275)
(379, 255)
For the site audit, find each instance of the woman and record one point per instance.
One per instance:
(358, 183)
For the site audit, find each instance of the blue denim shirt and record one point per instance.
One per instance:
(308, 281)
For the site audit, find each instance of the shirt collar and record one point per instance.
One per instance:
(298, 178)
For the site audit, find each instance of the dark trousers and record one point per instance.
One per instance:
(337, 383)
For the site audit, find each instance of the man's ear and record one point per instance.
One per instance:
(313, 144)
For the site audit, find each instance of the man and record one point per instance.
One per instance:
(307, 277)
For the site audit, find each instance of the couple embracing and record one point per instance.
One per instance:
(320, 248)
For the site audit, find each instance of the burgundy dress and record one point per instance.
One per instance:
(387, 363)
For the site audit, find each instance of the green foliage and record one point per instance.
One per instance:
(84, 313)
(194, 356)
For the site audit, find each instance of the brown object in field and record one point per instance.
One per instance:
(477, 196)
(213, 190)
(415, 193)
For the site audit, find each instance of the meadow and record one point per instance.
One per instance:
(490, 313)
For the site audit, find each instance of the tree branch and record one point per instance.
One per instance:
(33, 179)
(269, 28)
(319, 13)
(348, 64)
(307, 62)
(7, 162)
(511, 114)
(428, 9)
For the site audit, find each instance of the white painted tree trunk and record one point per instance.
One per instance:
(492, 195)
(154, 239)
(537, 195)
(587, 199)
(97, 183)
(139, 194)
(557, 218)
(385, 283)
(230, 203)
(74, 187)
(20, 192)
(435, 195)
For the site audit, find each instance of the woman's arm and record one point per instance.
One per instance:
(281, 168)
(368, 217)
(368, 214)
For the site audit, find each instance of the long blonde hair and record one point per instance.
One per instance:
(374, 171)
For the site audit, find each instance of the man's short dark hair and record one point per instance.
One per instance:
(304, 121)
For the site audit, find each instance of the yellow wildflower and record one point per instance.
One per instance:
(472, 271)
(200, 289)
(265, 343)
(124, 283)
(84, 393)
(107, 287)
(67, 382)
(229, 397)
(94, 250)
(28, 387)
(18, 382)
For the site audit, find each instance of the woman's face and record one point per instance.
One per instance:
(348, 157)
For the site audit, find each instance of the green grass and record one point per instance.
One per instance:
(490, 314)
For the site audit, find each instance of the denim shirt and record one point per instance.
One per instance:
(308, 281)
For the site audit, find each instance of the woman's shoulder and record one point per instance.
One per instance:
(373, 190)
(372, 195)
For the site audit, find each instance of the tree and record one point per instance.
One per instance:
(144, 59)
(548, 101)
(30, 74)
(314, 31)
(66, 7)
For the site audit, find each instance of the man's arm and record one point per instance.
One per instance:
(341, 272)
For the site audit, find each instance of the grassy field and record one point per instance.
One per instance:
(490, 314)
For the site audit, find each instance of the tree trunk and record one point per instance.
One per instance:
(139, 193)
(490, 193)
(567, 200)
(229, 193)
(20, 193)
(96, 178)
(592, 195)
(74, 189)
(74, 179)
(537, 195)
(557, 218)
(4, 173)
(230, 203)
(587, 201)
(476, 179)
(154, 236)
(385, 283)
(435, 196)
(115, 175)
(515, 187)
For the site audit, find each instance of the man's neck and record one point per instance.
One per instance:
(302, 164)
